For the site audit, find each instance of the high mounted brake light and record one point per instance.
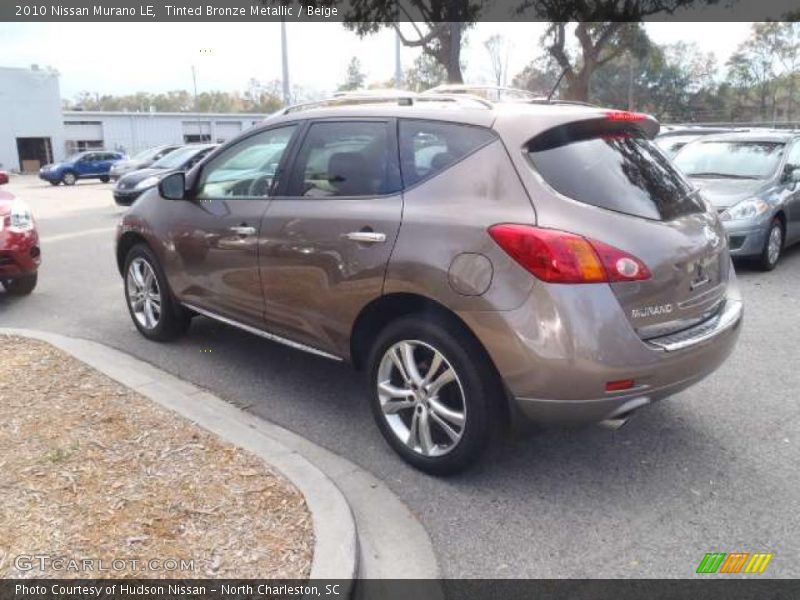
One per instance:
(625, 115)
(561, 257)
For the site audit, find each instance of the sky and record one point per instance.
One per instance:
(121, 58)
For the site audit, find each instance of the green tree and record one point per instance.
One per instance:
(539, 76)
(355, 77)
(753, 66)
(434, 26)
(603, 30)
(425, 74)
(788, 46)
(673, 82)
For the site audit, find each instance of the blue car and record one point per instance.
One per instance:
(92, 164)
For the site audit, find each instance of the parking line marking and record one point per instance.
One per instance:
(69, 236)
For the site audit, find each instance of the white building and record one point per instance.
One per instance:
(132, 132)
(34, 130)
(31, 129)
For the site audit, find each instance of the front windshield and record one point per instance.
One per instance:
(146, 154)
(672, 144)
(730, 159)
(176, 158)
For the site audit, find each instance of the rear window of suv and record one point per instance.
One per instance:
(612, 166)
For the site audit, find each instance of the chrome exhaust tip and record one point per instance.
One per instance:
(613, 424)
(623, 414)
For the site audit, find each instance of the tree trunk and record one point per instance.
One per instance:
(578, 86)
(453, 64)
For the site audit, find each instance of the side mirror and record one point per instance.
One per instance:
(794, 175)
(173, 186)
(3, 177)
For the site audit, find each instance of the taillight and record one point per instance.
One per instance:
(560, 257)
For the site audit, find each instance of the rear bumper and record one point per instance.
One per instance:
(557, 352)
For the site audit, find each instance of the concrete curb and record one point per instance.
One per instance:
(335, 537)
(390, 541)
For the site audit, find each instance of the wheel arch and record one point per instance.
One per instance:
(781, 216)
(127, 241)
(387, 308)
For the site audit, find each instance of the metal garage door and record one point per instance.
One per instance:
(83, 130)
(226, 130)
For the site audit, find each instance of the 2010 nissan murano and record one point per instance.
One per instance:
(479, 261)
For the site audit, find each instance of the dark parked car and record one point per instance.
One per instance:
(140, 161)
(753, 180)
(92, 164)
(671, 140)
(132, 185)
(477, 260)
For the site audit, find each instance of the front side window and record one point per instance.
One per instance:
(730, 159)
(793, 160)
(612, 167)
(246, 169)
(428, 147)
(349, 158)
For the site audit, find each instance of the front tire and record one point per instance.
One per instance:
(69, 178)
(430, 399)
(773, 246)
(105, 179)
(152, 308)
(21, 286)
(55, 183)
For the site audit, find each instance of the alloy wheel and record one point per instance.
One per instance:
(774, 244)
(421, 398)
(144, 294)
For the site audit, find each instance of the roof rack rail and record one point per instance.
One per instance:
(400, 97)
(495, 93)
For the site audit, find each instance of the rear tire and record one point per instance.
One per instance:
(21, 286)
(773, 245)
(69, 178)
(150, 303)
(413, 408)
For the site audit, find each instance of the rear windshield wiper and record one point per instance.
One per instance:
(712, 175)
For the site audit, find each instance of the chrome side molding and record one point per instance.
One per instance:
(264, 334)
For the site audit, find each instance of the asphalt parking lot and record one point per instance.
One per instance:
(712, 469)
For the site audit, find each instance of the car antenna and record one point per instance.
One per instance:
(558, 82)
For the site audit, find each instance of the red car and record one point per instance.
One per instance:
(20, 255)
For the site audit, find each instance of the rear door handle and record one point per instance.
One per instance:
(366, 237)
(243, 230)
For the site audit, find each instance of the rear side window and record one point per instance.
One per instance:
(613, 167)
(429, 147)
(348, 158)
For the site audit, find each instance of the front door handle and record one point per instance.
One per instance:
(243, 230)
(366, 237)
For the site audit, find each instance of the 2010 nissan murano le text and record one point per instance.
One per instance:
(479, 261)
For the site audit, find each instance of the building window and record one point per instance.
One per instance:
(194, 138)
(82, 145)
